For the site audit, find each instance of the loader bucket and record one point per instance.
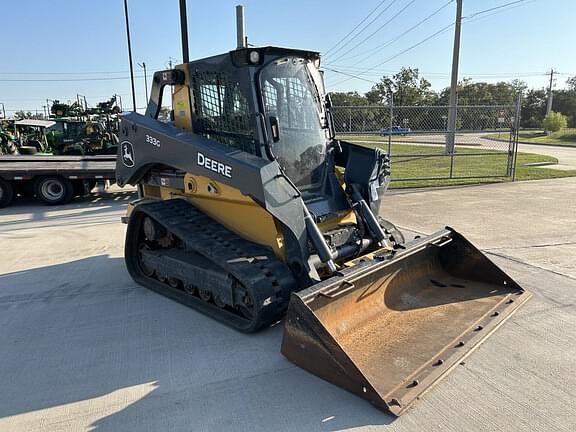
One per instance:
(387, 329)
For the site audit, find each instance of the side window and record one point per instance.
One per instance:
(222, 112)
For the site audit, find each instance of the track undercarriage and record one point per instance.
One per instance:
(196, 261)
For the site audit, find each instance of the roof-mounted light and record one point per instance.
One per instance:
(254, 57)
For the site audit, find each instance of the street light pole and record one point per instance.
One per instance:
(130, 55)
(143, 66)
(451, 133)
(48, 106)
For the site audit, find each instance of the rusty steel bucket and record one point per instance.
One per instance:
(387, 329)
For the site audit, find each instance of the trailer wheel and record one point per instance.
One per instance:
(54, 190)
(6, 193)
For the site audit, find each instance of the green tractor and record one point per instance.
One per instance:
(7, 138)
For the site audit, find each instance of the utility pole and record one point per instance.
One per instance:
(550, 94)
(130, 55)
(452, 109)
(143, 66)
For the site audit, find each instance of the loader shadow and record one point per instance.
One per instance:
(84, 337)
(21, 203)
(87, 210)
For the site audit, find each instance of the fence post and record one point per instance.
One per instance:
(516, 126)
(391, 104)
(451, 138)
(350, 122)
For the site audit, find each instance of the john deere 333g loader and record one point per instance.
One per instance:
(250, 210)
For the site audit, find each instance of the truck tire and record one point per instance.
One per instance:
(6, 193)
(54, 190)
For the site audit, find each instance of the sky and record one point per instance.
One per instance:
(61, 48)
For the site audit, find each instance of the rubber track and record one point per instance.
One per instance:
(254, 266)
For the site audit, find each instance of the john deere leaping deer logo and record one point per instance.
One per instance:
(127, 154)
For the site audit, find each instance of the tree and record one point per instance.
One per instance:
(406, 87)
(348, 99)
(519, 86)
(565, 101)
(349, 116)
(555, 121)
(571, 83)
(482, 93)
(533, 108)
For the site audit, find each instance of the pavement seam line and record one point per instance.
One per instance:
(516, 260)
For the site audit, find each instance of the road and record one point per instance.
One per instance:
(85, 348)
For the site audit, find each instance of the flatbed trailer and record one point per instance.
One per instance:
(52, 179)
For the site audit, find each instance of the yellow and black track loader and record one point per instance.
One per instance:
(251, 211)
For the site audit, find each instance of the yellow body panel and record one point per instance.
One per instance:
(228, 206)
(181, 103)
(347, 217)
(236, 211)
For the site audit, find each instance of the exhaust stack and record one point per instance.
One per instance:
(241, 39)
(184, 32)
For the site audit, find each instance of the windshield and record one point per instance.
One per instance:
(290, 95)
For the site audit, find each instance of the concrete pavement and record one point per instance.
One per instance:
(566, 155)
(84, 348)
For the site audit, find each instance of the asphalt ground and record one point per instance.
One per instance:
(82, 347)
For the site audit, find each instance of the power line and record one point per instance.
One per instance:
(352, 75)
(377, 30)
(66, 79)
(63, 73)
(353, 70)
(530, 73)
(466, 21)
(391, 41)
(74, 73)
(496, 8)
(42, 99)
(365, 27)
(357, 25)
(439, 32)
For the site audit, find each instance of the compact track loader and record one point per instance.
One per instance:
(250, 210)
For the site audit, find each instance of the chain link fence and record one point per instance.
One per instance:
(415, 137)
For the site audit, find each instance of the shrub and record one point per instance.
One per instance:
(555, 121)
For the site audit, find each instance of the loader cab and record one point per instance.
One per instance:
(264, 101)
